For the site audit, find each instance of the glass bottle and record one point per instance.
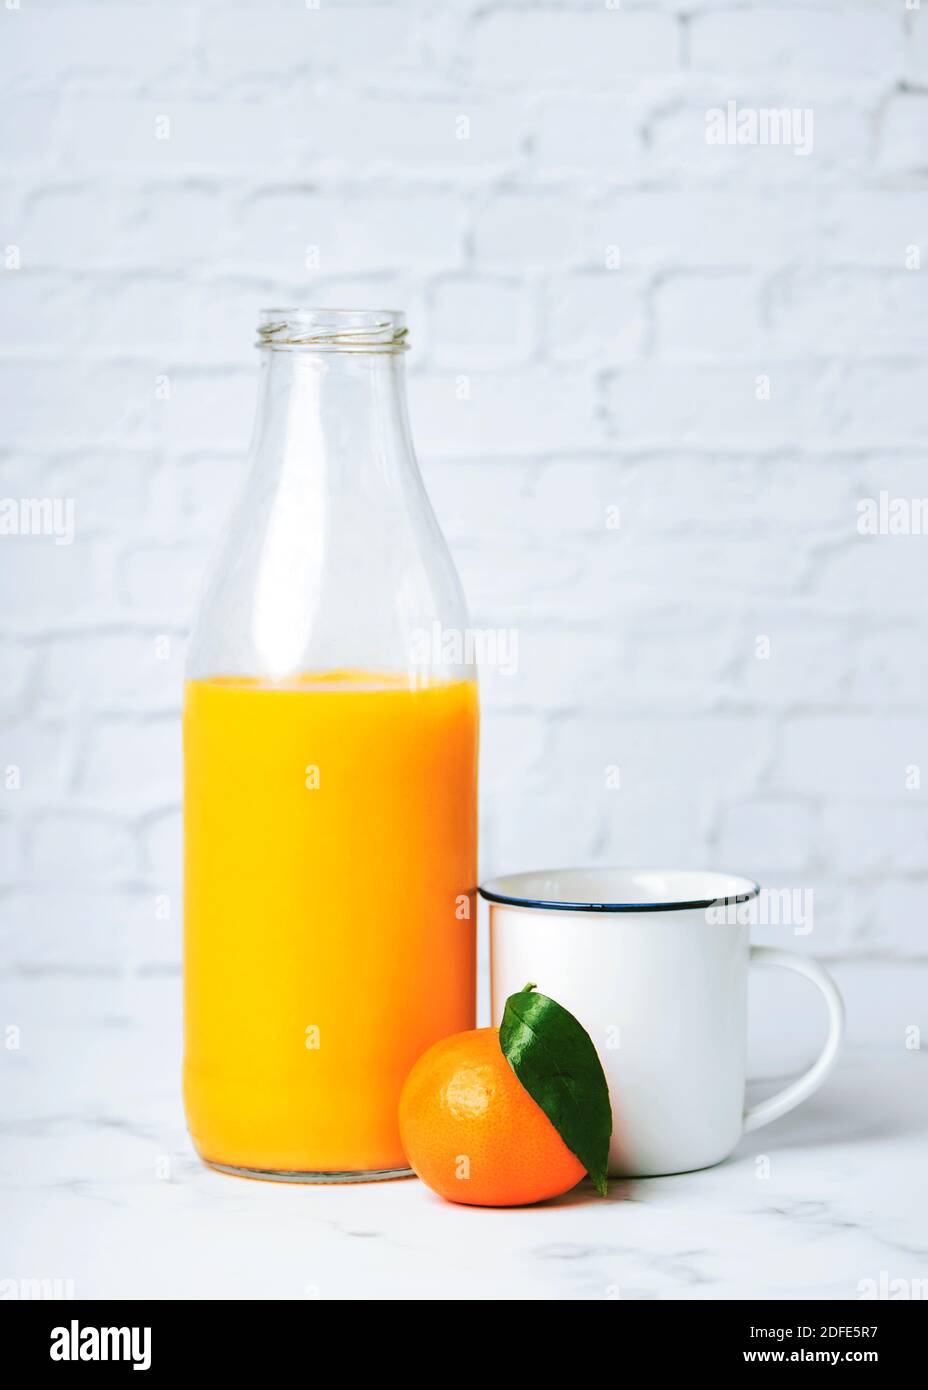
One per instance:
(330, 756)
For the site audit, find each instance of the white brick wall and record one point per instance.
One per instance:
(612, 286)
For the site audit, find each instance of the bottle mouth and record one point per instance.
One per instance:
(333, 330)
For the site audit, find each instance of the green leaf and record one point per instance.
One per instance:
(554, 1058)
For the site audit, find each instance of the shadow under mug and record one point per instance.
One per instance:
(654, 964)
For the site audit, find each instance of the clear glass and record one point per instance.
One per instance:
(330, 746)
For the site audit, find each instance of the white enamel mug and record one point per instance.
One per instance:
(654, 964)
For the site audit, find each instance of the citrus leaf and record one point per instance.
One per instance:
(553, 1057)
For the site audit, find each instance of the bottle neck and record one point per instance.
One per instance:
(332, 411)
(333, 560)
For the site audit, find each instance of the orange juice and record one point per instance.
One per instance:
(330, 868)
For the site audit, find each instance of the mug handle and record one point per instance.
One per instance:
(803, 1086)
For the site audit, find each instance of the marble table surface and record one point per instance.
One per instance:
(100, 1189)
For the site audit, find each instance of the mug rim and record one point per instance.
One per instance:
(495, 891)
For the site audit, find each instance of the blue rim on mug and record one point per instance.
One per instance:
(494, 891)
